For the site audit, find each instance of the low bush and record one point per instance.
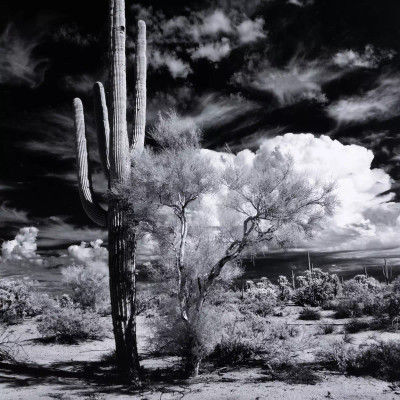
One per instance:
(285, 288)
(71, 325)
(381, 360)
(356, 325)
(325, 329)
(19, 299)
(296, 374)
(88, 287)
(336, 355)
(233, 352)
(348, 308)
(260, 299)
(8, 348)
(309, 314)
(330, 304)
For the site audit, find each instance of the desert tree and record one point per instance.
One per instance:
(115, 146)
(207, 211)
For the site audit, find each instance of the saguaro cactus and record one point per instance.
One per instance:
(387, 272)
(115, 148)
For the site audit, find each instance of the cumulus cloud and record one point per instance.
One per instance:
(177, 67)
(250, 31)
(22, 248)
(90, 256)
(18, 63)
(213, 51)
(364, 218)
(212, 24)
(370, 58)
(210, 34)
(380, 103)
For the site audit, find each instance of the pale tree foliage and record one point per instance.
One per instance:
(259, 205)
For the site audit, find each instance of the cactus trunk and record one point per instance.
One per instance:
(115, 153)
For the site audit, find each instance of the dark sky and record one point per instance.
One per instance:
(244, 71)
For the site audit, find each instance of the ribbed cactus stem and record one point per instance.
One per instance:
(91, 207)
(114, 152)
(139, 117)
(103, 127)
(119, 151)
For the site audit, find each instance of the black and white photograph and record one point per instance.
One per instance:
(200, 199)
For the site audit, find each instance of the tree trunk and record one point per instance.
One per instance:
(122, 289)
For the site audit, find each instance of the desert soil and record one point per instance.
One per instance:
(66, 372)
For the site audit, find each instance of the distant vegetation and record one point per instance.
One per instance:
(239, 325)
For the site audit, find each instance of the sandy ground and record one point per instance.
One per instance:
(54, 371)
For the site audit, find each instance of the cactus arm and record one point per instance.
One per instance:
(139, 117)
(119, 144)
(91, 207)
(103, 127)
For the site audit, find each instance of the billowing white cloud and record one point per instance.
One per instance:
(212, 24)
(380, 103)
(364, 218)
(370, 58)
(22, 248)
(18, 63)
(177, 67)
(90, 256)
(210, 34)
(250, 31)
(213, 51)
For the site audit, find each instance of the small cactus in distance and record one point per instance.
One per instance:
(387, 272)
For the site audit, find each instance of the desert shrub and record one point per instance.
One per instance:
(71, 325)
(356, 325)
(391, 305)
(349, 308)
(233, 352)
(381, 360)
(309, 314)
(285, 288)
(19, 299)
(296, 374)
(330, 304)
(360, 285)
(8, 348)
(316, 287)
(88, 287)
(254, 338)
(260, 299)
(172, 336)
(147, 302)
(396, 284)
(367, 292)
(336, 355)
(325, 329)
